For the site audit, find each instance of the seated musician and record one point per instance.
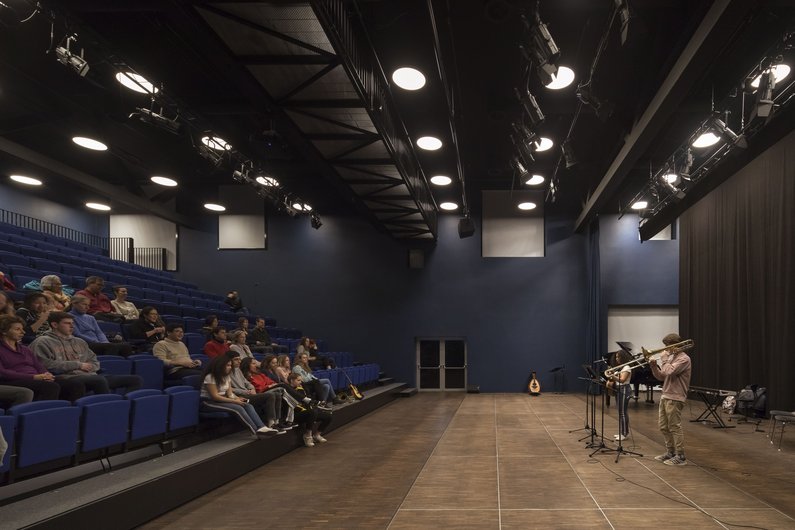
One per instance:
(673, 369)
(620, 383)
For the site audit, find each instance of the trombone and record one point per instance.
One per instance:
(649, 356)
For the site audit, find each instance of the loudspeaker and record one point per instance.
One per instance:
(473, 389)
(466, 228)
(416, 258)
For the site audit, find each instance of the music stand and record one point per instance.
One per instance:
(590, 407)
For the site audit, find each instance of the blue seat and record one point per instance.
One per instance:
(12, 258)
(173, 319)
(150, 368)
(148, 413)
(201, 357)
(46, 430)
(195, 342)
(184, 407)
(169, 298)
(114, 365)
(46, 264)
(193, 381)
(109, 328)
(7, 427)
(105, 419)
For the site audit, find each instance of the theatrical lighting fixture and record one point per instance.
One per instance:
(623, 17)
(89, 143)
(523, 133)
(526, 206)
(135, 82)
(158, 119)
(429, 143)
(301, 207)
(22, 179)
(517, 164)
(568, 153)
(543, 144)
(214, 207)
(763, 105)
(530, 106)
(525, 156)
(670, 178)
(715, 125)
(640, 205)
(241, 174)
(449, 206)
(441, 180)
(314, 220)
(210, 154)
(67, 58)
(164, 181)
(535, 180)
(98, 206)
(216, 143)
(562, 79)
(541, 50)
(602, 108)
(706, 139)
(780, 71)
(267, 181)
(408, 78)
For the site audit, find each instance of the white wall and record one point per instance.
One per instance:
(641, 325)
(507, 231)
(148, 231)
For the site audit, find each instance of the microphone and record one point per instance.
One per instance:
(600, 361)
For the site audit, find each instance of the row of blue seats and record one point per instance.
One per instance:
(43, 431)
(359, 375)
(33, 235)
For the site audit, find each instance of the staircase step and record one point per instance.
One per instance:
(386, 380)
(407, 392)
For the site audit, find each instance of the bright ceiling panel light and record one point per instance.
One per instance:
(214, 207)
(90, 143)
(408, 78)
(670, 177)
(441, 180)
(535, 180)
(164, 181)
(449, 206)
(705, 140)
(135, 82)
(562, 79)
(216, 143)
(22, 179)
(302, 207)
(526, 206)
(543, 144)
(98, 206)
(267, 181)
(640, 205)
(780, 71)
(429, 143)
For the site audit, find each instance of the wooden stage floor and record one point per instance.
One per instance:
(507, 461)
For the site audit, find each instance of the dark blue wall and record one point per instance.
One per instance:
(351, 285)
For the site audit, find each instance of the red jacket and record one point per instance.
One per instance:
(261, 382)
(98, 303)
(213, 348)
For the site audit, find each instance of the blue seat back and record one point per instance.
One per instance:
(46, 430)
(7, 428)
(149, 413)
(184, 407)
(104, 421)
(114, 365)
(150, 368)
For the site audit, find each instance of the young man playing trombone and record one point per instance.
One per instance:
(673, 368)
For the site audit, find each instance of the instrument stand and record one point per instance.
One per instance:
(620, 449)
(590, 412)
(600, 446)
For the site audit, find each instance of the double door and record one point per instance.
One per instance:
(441, 364)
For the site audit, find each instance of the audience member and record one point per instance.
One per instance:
(313, 420)
(282, 368)
(217, 345)
(174, 354)
(122, 306)
(6, 305)
(239, 343)
(322, 389)
(260, 340)
(52, 288)
(99, 304)
(148, 327)
(34, 312)
(268, 367)
(210, 323)
(267, 404)
(19, 366)
(86, 327)
(14, 395)
(217, 396)
(72, 362)
(234, 301)
(308, 346)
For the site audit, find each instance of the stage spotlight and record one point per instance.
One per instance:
(243, 171)
(526, 157)
(715, 130)
(158, 119)
(530, 106)
(314, 219)
(568, 153)
(603, 108)
(67, 58)
(519, 167)
(640, 205)
(213, 156)
(763, 106)
(542, 50)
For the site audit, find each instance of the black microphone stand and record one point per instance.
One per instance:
(621, 410)
(600, 447)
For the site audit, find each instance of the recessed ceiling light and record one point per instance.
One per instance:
(562, 79)
(640, 205)
(441, 180)
(707, 139)
(268, 181)
(780, 71)
(408, 78)
(214, 142)
(429, 143)
(164, 181)
(215, 207)
(90, 143)
(448, 206)
(526, 205)
(302, 207)
(98, 206)
(670, 177)
(136, 82)
(535, 180)
(543, 144)
(30, 181)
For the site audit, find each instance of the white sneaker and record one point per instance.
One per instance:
(619, 437)
(319, 439)
(308, 441)
(265, 429)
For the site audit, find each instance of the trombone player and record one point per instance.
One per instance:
(673, 368)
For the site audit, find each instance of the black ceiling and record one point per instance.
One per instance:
(202, 54)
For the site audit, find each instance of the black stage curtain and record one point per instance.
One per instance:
(737, 279)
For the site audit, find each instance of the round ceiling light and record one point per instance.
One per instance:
(562, 79)
(640, 205)
(449, 206)
(535, 180)
(267, 181)
(707, 139)
(135, 82)
(441, 180)
(214, 207)
(302, 207)
(408, 78)
(214, 142)
(429, 143)
(780, 71)
(164, 181)
(526, 205)
(22, 179)
(98, 206)
(670, 177)
(543, 144)
(90, 143)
